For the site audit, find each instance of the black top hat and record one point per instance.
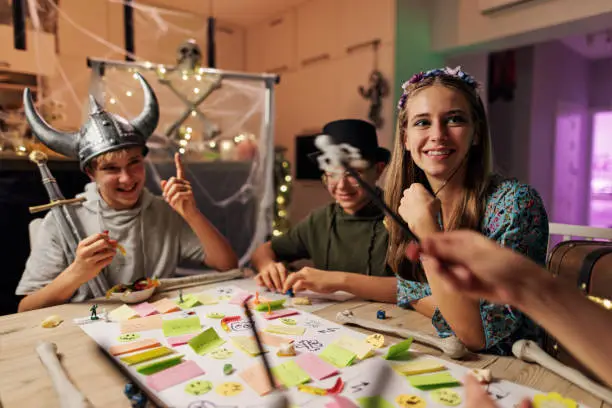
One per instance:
(359, 134)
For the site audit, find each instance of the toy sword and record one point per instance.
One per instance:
(59, 206)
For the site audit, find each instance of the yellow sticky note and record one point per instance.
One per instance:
(289, 330)
(122, 313)
(141, 324)
(419, 367)
(361, 349)
(553, 399)
(338, 356)
(290, 374)
(178, 327)
(208, 299)
(147, 355)
(247, 344)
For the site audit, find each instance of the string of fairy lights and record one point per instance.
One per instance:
(185, 134)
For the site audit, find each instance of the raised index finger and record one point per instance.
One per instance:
(180, 172)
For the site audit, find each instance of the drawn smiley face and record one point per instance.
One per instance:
(410, 401)
(446, 397)
(221, 353)
(129, 337)
(229, 389)
(198, 387)
(288, 321)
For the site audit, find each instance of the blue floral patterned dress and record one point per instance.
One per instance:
(515, 217)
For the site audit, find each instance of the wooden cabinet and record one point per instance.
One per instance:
(37, 58)
(362, 21)
(229, 47)
(317, 31)
(271, 45)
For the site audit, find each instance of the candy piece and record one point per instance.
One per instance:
(301, 301)
(228, 369)
(286, 350)
(483, 376)
(51, 321)
(377, 340)
(381, 315)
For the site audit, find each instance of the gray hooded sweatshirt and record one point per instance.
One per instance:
(156, 240)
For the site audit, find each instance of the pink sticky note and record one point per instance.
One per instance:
(256, 377)
(180, 340)
(341, 402)
(174, 375)
(315, 367)
(145, 309)
(240, 297)
(279, 313)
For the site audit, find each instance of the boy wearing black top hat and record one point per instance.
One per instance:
(345, 240)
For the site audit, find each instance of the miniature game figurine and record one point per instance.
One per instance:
(93, 310)
(290, 293)
(381, 315)
(286, 350)
(181, 296)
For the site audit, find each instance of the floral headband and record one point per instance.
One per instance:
(438, 72)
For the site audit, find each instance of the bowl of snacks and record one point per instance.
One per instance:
(136, 292)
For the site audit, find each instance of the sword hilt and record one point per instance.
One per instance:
(54, 203)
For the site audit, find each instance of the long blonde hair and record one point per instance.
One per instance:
(402, 172)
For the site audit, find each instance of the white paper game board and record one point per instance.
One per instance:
(370, 377)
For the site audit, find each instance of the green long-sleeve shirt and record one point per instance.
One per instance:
(337, 241)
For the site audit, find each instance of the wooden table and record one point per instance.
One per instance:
(24, 381)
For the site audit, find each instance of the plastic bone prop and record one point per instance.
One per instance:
(209, 277)
(451, 346)
(529, 351)
(69, 395)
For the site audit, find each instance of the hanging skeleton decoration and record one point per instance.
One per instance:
(378, 88)
(189, 56)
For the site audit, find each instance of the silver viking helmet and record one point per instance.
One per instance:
(102, 133)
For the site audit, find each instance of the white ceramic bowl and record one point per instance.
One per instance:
(133, 297)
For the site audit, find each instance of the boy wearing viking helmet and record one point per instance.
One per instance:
(157, 233)
(345, 240)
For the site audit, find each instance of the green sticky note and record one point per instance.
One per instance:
(398, 349)
(146, 355)
(274, 304)
(206, 341)
(338, 356)
(374, 402)
(188, 302)
(159, 365)
(184, 325)
(290, 374)
(444, 379)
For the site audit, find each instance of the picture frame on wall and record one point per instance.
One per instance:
(490, 6)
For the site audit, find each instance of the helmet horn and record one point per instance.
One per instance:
(62, 142)
(146, 122)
